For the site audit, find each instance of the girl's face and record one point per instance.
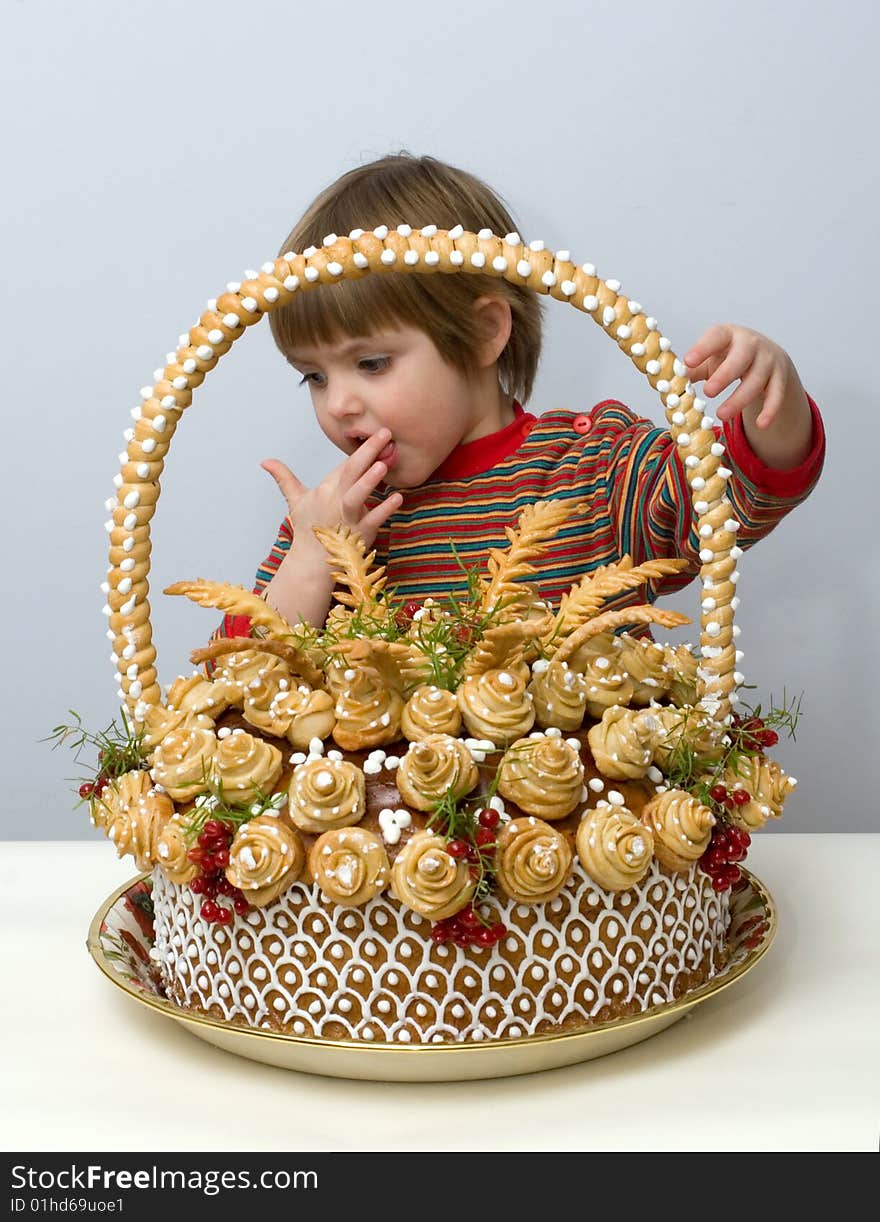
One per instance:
(398, 380)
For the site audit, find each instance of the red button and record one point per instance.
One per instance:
(582, 424)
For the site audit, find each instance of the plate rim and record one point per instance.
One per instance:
(668, 1010)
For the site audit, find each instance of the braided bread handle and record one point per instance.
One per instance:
(423, 251)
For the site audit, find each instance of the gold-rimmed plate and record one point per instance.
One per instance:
(121, 937)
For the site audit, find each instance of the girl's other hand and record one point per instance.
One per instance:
(727, 352)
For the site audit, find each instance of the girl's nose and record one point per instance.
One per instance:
(343, 399)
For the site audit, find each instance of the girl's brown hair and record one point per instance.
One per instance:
(418, 191)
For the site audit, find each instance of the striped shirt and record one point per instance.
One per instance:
(626, 469)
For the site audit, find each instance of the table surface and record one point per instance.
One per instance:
(786, 1058)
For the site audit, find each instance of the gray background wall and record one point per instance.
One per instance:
(720, 160)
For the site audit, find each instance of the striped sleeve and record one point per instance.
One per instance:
(649, 501)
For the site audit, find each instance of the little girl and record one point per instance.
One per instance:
(421, 380)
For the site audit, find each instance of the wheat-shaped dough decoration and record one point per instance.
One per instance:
(536, 525)
(610, 620)
(402, 667)
(503, 646)
(234, 600)
(295, 659)
(347, 556)
(586, 599)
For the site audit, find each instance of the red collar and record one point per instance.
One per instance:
(472, 457)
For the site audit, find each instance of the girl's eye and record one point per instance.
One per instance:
(375, 363)
(307, 377)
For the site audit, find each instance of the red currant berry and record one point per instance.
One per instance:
(485, 938)
(206, 839)
(240, 904)
(440, 933)
(221, 858)
(768, 738)
(101, 783)
(225, 887)
(224, 915)
(209, 910)
(714, 859)
(457, 849)
(195, 856)
(741, 797)
(720, 883)
(468, 919)
(215, 828)
(198, 885)
(733, 875)
(462, 939)
(499, 929)
(484, 836)
(745, 838)
(718, 793)
(488, 817)
(86, 789)
(208, 864)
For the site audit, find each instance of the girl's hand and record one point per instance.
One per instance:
(340, 497)
(767, 375)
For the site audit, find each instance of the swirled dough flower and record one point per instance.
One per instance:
(271, 701)
(676, 728)
(496, 705)
(768, 785)
(614, 847)
(133, 814)
(182, 761)
(315, 718)
(560, 695)
(196, 694)
(350, 865)
(367, 710)
(433, 767)
(171, 852)
(607, 683)
(645, 663)
(326, 794)
(243, 766)
(430, 710)
(243, 667)
(622, 746)
(428, 880)
(543, 775)
(682, 679)
(265, 858)
(532, 860)
(681, 826)
(159, 722)
(605, 645)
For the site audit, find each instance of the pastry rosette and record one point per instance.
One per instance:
(182, 761)
(327, 794)
(671, 727)
(171, 852)
(622, 744)
(244, 766)
(159, 722)
(430, 710)
(314, 718)
(427, 879)
(496, 706)
(607, 683)
(265, 858)
(604, 645)
(532, 860)
(367, 710)
(768, 785)
(681, 827)
(196, 694)
(433, 767)
(133, 813)
(682, 678)
(559, 694)
(243, 667)
(271, 699)
(543, 775)
(645, 663)
(350, 865)
(614, 847)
